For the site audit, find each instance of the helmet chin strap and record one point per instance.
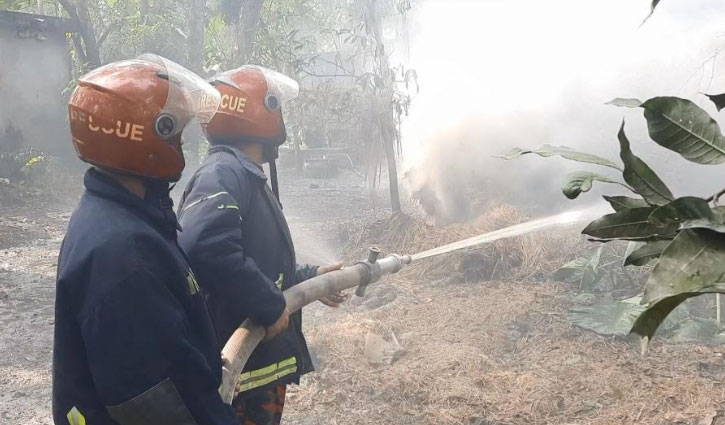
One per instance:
(271, 153)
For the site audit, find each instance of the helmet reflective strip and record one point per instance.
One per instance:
(75, 417)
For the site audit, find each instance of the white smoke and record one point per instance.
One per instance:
(498, 73)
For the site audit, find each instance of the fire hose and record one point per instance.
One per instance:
(246, 338)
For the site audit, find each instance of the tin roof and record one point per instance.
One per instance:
(37, 22)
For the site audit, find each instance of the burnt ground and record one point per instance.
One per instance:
(477, 353)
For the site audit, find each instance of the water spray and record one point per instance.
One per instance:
(360, 275)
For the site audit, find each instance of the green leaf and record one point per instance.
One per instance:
(584, 271)
(718, 100)
(719, 213)
(572, 271)
(562, 151)
(592, 274)
(631, 247)
(637, 174)
(614, 318)
(710, 224)
(690, 266)
(625, 103)
(620, 203)
(698, 330)
(630, 224)
(582, 181)
(682, 209)
(646, 253)
(680, 125)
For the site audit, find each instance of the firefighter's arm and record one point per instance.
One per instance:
(304, 272)
(212, 238)
(144, 366)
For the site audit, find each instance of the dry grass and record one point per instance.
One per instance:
(497, 351)
(501, 353)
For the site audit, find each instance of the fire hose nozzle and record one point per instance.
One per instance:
(379, 267)
(373, 255)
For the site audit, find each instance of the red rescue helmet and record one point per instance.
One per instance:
(250, 109)
(128, 116)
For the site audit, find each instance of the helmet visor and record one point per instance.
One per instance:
(279, 85)
(190, 99)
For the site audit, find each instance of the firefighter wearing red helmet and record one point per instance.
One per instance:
(238, 240)
(134, 343)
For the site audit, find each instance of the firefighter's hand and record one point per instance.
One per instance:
(279, 326)
(333, 300)
(329, 268)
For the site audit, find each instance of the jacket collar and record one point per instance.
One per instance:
(243, 159)
(156, 207)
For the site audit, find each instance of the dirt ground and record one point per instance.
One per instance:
(477, 353)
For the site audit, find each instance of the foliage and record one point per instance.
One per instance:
(350, 91)
(612, 318)
(586, 272)
(21, 165)
(683, 236)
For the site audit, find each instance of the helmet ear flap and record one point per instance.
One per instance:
(271, 102)
(165, 126)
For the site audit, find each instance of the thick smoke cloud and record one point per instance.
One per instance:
(496, 74)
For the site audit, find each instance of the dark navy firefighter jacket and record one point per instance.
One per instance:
(238, 242)
(134, 343)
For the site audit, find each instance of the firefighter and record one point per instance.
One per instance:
(238, 241)
(134, 343)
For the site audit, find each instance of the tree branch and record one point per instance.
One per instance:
(88, 53)
(109, 29)
(716, 197)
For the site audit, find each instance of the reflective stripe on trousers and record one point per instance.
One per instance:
(257, 378)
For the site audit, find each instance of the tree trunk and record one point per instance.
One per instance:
(143, 7)
(247, 28)
(197, 9)
(386, 122)
(89, 53)
(389, 141)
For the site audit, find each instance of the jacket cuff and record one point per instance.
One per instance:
(270, 310)
(305, 272)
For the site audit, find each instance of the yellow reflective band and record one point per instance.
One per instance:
(204, 198)
(264, 376)
(280, 281)
(193, 285)
(34, 160)
(75, 417)
(288, 362)
(228, 207)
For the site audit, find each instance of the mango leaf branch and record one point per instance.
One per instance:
(565, 152)
(691, 265)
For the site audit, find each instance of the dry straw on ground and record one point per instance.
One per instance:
(495, 351)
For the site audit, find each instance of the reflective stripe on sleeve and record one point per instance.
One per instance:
(75, 417)
(204, 198)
